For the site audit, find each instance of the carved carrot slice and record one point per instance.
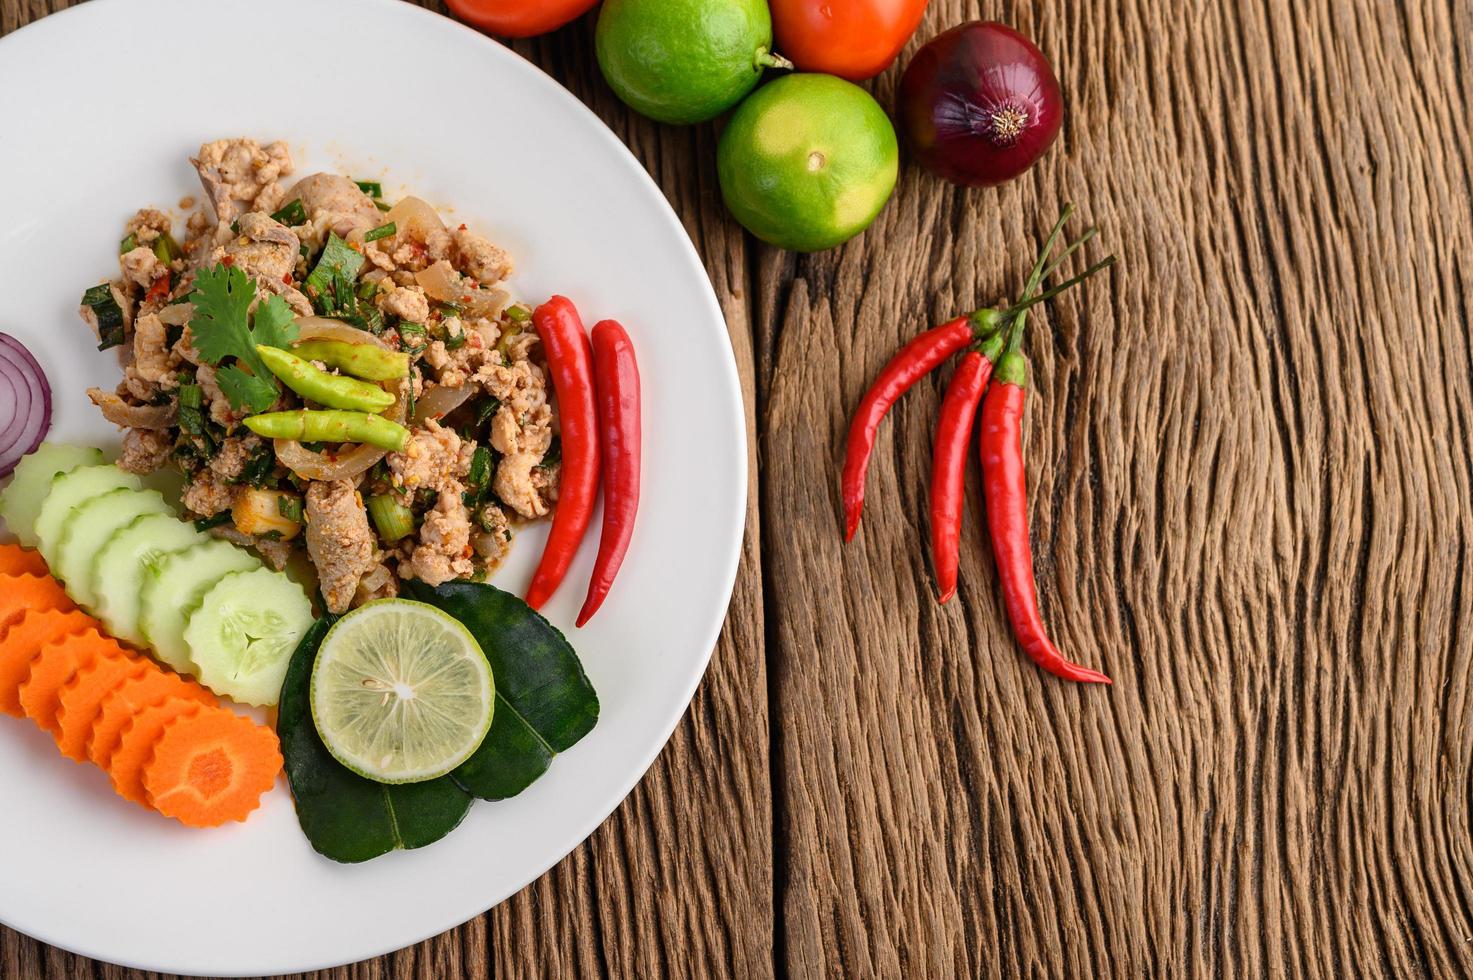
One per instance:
(54, 666)
(210, 767)
(135, 694)
(15, 560)
(25, 590)
(81, 699)
(23, 640)
(135, 745)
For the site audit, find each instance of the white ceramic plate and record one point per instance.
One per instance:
(104, 102)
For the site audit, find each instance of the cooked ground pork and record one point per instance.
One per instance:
(435, 458)
(339, 540)
(266, 250)
(240, 175)
(479, 259)
(147, 225)
(408, 303)
(145, 450)
(444, 550)
(141, 267)
(208, 495)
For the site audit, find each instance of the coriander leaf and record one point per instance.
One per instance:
(246, 390)
(220, 327)
(275, 324)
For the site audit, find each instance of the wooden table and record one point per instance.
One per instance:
(1252, 505)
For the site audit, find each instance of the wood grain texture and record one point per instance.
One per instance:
(1252, 505)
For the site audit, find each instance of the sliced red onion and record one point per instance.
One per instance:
(30, 396)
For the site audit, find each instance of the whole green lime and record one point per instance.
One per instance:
(684, 61)
(807, 162)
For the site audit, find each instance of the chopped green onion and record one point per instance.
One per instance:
(393, 520)
(407, 330)
(488, 408)
(508, 334)
(367, 290)
(235, 227)
(455, 341)
(192, 401)
(370, 187)
(480, 470)
(330, 284)
(382, 206)
(166, 249)
(205, 523)
(291, 215)
(518, 314)
(109, 315)
(382, 231)
(257, 471)
(409, 398)
(553, 456)
(290, 507)
(128, 244)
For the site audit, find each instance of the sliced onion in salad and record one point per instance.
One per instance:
(414, 219)
(440, 401)
(25, 403)
(485, 304)
(441, 282)
(321, 328)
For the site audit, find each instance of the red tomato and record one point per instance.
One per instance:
(854, 39)
(519, 18)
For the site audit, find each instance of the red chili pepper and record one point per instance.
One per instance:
(1004, 485)
(570, 360)
(911, 363)
(158, 290)
(616, 378)
(949, 464)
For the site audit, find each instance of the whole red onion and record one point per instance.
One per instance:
(980, 104)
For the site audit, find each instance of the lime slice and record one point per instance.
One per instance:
(401, 692)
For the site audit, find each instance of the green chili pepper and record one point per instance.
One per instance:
(368, 361)
(332, 390)
(306, 425)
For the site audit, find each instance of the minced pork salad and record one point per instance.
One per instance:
(334, 375)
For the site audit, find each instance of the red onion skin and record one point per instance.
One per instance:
(34, 413)
(980, 104)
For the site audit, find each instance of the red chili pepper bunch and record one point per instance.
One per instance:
(597, 386)
(995, 365)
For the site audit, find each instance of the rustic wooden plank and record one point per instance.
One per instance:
(1251, 505)
(678, 882)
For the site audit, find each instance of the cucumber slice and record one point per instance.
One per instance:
(173, 586)
(67, 492)
(21, 501)
(118, 569)
(91, 526)
(242, 634)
